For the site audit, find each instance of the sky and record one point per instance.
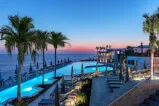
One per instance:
(87, 23)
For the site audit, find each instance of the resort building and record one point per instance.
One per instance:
(141, 49)
(108, 55)
(138, 62)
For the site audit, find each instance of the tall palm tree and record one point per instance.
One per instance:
(157, 43)
(149, 28)
(19, 35)
(57, 39)
(42, 42)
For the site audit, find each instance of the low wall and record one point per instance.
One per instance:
(137, 95)
(46, 94)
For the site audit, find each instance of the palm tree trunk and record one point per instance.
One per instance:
(19, 80)
(121, 68)
(152, 58)
(55, 64)
(43, 68)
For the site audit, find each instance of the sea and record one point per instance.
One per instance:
(8, 62)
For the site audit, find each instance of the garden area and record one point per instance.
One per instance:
(83, 97)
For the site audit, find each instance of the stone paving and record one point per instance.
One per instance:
(102, 94)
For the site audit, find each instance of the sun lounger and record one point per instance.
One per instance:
(115, 85)
(50, 102)
(47, 102)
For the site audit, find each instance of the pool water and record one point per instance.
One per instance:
(28, 87)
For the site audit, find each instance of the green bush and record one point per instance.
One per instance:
(81, 99)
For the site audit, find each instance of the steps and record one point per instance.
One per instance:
(118, 88)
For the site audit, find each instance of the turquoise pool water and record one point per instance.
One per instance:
(28, 87)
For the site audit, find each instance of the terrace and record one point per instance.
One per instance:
(31, 89)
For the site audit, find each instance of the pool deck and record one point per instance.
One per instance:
(47, 70)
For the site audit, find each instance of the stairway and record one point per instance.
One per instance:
(118, 89)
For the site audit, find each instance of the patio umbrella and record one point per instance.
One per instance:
(145, 64)
(82, 69)
(135, 68)
(0, 76)
(30, 69)
(62, 84)
(61, 61)
(114, 69)
(106, 65)
(51, 63)
(68, 60)
(120, 73)
(57, 102)
(37, 65)
(72, 74)
(127, 73)
(16, 70)
(45, 64)
(97, 69)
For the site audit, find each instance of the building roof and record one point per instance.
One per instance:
(144, 46)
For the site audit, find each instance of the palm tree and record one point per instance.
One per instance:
(149, 28)
(19, 35)
(57, 40)
(42, 42)
(57, 102)
(157, 43)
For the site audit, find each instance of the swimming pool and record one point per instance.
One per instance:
(28, 87)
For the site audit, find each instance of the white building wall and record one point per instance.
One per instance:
(138, 50)
(140, 62)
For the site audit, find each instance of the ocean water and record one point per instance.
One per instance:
(8, 63)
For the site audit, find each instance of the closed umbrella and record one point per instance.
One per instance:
(37, 65)
(82, 69)
(30, 69)
(145, 67)
(51, 63)
(16, 73)
(114, 72)
(72, 74)
(135, 63)
(1, 80)
(61, 61)
(62, 84)
(16, 70)
(0, 76)
(97, 69)
(127, 73)
(45, 64)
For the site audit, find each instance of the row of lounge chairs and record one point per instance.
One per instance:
(67, 98)
(11, 81)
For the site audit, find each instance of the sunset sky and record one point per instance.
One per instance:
(87, 23)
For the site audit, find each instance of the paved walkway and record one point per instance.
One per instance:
(102, 95)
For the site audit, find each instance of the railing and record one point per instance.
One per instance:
(127, 92)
